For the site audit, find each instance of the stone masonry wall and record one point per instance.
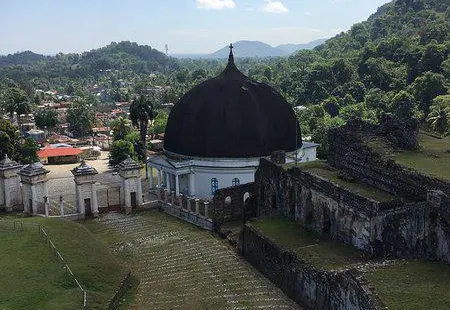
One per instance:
(229, 203)
(396, 228)
(308, 286)
(348, 152)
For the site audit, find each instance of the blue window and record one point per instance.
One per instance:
(214, 185)
(235, 182)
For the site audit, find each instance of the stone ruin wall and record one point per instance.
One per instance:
(349, 153)
(381, 229)
(240, 199)
(306, 285)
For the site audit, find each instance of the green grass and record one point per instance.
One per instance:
(35, 278)
(322, 254)
(321, 169)
(413, 285)
(433, 157)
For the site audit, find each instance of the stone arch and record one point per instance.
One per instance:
(228, 201)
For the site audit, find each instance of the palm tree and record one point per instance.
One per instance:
(141, 112)
(120, 127)
(439, 115)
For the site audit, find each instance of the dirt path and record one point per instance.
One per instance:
(183, 267)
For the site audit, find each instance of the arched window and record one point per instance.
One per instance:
(214, 185)
(235, 182)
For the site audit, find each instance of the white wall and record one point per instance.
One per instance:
(225, 178)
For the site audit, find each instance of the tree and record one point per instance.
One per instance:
(9, 139)
(440, 114)
(141, 112)
(120, 127)
(81, 118)
(119, 151)
(46, 118)
(16, 101)
(27, 152)
(426, 87)
(320, 134)
(403, 105)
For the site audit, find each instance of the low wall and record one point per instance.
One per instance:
(306, 285)
(188, 216)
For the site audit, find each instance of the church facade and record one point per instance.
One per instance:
(218, 131)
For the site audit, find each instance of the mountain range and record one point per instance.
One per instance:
(246, 48)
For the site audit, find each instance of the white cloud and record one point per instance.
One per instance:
(274, 7)
(307, 13)
(215, 4)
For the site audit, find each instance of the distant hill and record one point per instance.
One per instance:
(260, 49)
(22, 58)
(249, 49)
(292, 48)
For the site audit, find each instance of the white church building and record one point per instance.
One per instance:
(218, 131)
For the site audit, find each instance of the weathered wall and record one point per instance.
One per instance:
(308, 286)
(228, 204)
(349, 153)
(393, 228)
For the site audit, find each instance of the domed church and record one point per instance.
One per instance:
(218, 131)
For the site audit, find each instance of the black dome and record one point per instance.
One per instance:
(231, 116)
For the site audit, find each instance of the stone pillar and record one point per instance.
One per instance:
(34, 186)
(61, 206)
(94, 200)
(10, 191)
(139, 191)
(189, 204)
(166, 195)
(46, 205)
(159, 178)
(151, 177)
(177, 185)
(85, 191)
(191, 184)
(167, 181)
(180, 201)
(206, 209)
(130, 172)
(197, 205)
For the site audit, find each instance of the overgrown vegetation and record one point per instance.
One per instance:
(322, 254)
(36, 279)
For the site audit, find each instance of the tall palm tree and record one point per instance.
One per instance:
(439, 117)
(142, 111)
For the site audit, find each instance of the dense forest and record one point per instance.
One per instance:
(396, 61)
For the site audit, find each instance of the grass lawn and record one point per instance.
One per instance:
(323, 254)
(35, 278)
(320, 168)
(413, 285)
(433, 158)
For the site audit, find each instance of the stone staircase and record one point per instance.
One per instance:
(183, 267)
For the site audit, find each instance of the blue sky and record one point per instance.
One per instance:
(186, 26)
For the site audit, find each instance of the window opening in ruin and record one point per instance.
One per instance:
(228, 200)
(246, 195)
